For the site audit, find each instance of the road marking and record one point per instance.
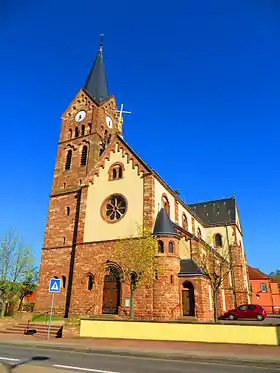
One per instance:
(83, 369)
(8, 359)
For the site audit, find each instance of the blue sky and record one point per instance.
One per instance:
(201, 77)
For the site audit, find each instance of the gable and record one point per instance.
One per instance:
(129, 186)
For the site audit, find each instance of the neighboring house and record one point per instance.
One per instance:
(102, 190)
(264, 290)
(31, 298)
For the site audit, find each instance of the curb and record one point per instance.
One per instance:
(191, 357)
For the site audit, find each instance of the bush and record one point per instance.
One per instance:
(28, 307)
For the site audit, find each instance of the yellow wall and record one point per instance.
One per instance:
(184, 249)
(241, 334)
(131, 186)
(159, 190)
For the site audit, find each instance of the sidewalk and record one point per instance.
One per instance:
(153, 349)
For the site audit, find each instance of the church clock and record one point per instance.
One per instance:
(80, 116)
(109, 122)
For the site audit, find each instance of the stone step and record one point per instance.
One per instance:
(55, 331)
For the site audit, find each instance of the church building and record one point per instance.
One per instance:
(102, 190)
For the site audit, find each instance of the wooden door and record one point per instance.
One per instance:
(110, 297)
(186, 302)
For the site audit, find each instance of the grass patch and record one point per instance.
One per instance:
(43, 318)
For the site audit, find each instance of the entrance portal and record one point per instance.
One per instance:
(188, 301)
(111, 292)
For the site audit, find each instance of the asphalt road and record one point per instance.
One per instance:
(75, 362)
(274, 320)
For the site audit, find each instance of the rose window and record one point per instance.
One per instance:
(115, 208)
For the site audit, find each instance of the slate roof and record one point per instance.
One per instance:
(256, 274)
(217, 212)
(188, 268)
(96, 84)
(163, 225)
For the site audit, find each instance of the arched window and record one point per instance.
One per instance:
(68, 160)
(165, 204)
(116, 171)
(160, 247)
(184, 222)
(170, 247)
(70, 134)
(84, 155)
(83, 130)
(76, 132)
(63, 282)
(199, 233)
(90, 282)
(89, 128)
(218, 240)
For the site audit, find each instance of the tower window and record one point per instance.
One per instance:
(70, 134)
(84, 155)
(68, 160)
(170, 247)
(83, 130)
(90, 282)
(68, 210)
(218, 240)
(89, 128)
(171, 279)
(64, 240)
(76, 132)
(156, 274)
(160, 247)
(116, 171)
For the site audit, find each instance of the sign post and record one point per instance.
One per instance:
(54, 287)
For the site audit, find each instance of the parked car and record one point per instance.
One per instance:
(246, 311)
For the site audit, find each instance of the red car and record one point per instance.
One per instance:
(246, 311)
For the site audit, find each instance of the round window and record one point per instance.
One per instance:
(114, 208)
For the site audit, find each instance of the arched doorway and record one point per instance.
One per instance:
(188, 301)
(111, 291)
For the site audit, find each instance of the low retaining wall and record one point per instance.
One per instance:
(172, 331)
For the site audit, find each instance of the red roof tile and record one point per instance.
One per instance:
(256, 274)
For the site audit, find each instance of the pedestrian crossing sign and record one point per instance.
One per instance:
(54, 286)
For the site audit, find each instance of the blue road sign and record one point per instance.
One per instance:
(54, 286)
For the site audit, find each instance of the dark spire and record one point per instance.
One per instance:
(96, 84)
(163, 225)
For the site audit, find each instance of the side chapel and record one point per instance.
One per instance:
(101, 191)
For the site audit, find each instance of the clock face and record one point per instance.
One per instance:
(80, 116)
(109, 122)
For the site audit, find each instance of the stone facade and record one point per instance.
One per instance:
(88, 151)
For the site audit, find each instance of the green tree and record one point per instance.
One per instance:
(276, 276)
(16, 261)
(136, 256)
(28, 285)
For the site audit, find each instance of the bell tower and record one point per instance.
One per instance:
(88, 125)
